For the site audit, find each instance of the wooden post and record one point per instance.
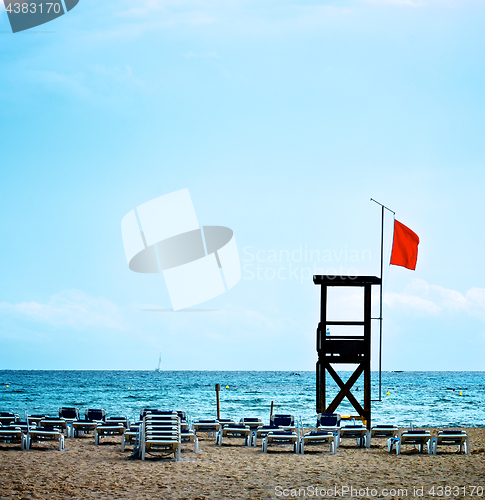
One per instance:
(271, 411)
(218, 406)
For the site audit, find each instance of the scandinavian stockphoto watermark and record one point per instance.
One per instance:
(198, 263)
(349, 491)
(300, 263)
(24, 15)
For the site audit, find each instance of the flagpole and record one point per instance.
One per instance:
(380, 289)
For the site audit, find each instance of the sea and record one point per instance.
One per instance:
(421, 399)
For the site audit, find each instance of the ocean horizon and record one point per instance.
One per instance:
(420, 398)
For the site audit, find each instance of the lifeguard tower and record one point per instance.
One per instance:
(349, 349)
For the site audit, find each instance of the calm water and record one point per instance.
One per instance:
(423, 398)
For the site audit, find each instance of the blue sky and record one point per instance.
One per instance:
(282, 119)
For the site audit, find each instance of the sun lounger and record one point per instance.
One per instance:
(234, 431)
(144, 411)
(22, 425)
(418, 438)
(315, 438)
(253, 423)
(358, 432)
(42, 434)
(82, 426)
(189, 436)
(8, 418)
(118, 420)
(384, 431)
(69, 415)
(226, 421)
(96, 414)
(328, 422)
(207, 425)
(184, 423)
(113, 428)
(160, 433)
(13, 434)
(452, 438)
(54, 423)
(281, 438)
(130, 435)
(35, 419)
(89, 423)
(286, 422)
(262, 432)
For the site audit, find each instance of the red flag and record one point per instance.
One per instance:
(404, 246)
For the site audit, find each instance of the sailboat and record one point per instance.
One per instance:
(159, 363)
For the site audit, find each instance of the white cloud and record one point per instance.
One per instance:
(435, 299)
(72, 308)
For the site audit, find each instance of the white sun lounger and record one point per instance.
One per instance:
(206, 425)
(263, 431)
(104, 429)
(358, 432)
(234, 431)
(281, 438)
(55, 423)
(130, 435)
(12, 434)
(328, 422)
(35, 419)
(254, 423)
(452, 438)
(79, 427)
(41, 434)
(286, 422)
(92, 418)
(160, 433)
(316, 437)
(69, 415)
(8, 418)
(189, 436)
(418, 438)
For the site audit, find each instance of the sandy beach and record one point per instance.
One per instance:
(86, 471)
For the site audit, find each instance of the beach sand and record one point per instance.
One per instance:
(86, 471)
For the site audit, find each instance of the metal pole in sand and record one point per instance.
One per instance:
(218, 406)
(380, 298)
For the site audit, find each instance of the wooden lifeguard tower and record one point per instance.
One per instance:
(349, 349)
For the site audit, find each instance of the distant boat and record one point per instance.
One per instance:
(159, 363)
